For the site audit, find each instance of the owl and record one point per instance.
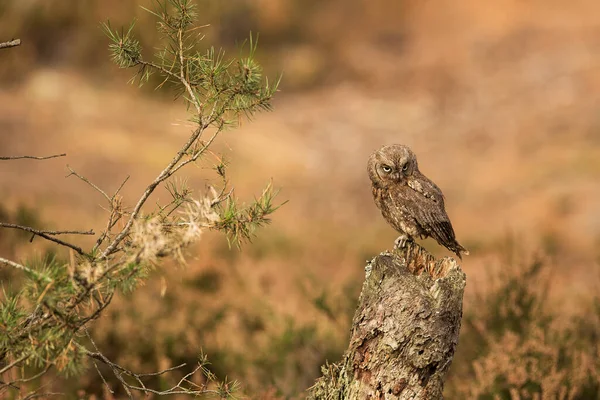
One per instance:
(408, 200)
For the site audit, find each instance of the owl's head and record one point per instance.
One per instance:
(392, 164)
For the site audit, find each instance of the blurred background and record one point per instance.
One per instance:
(499, 100)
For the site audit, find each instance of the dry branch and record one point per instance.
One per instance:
(39, 232)
(404, 332)
(32, 157)
(119, 371)
(10, 43)
(48, 235)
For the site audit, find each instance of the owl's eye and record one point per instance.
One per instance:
(386, 169)
(405, 168)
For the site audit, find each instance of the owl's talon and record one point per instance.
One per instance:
(401, 242)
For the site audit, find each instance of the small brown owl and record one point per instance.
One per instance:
(408, 200)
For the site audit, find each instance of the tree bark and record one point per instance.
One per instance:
(404, 332)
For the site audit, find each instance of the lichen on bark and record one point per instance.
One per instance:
(404, 332)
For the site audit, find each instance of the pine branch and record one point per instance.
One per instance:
(164, 175)
(66, 298)
(23, 268)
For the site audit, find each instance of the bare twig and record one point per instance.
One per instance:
(163, 371)
(14, 363)
(119, 371)
(96, 313)
(198, 153)
(10, 43)
(121, 186)
(40, 232)
(103, 379)
(48, 235)
(86, 180)
(116, 213)
(31, 157)
(115, 216)
(13, 383)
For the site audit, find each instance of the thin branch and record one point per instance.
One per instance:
(24, 268)
(30, 157)
(40, 232)
(115, 216)
(103, 379)
(96, 313)
(165, 174)
(119, 371)
(116, 213)
(86, 180)
(14, 363)
(198, 153)
(48, 235)
(179, 78)
(29, 379)
(177, 389)
(160, 68)
(182, 77)
(10, 43)
(121, 186)
(163, 371)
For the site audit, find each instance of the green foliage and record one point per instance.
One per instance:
(240, 223)
(126, 50)
(221, 90)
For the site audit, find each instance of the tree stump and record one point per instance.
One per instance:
(404, 332)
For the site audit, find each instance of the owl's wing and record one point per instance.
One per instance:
(427, 189)
(437, 224)
(427, 209)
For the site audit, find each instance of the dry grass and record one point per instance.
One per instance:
(516, 345)
(500, 102)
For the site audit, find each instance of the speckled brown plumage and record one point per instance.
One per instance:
(408, 200)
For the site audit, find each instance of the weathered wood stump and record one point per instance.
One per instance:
(404, 332)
